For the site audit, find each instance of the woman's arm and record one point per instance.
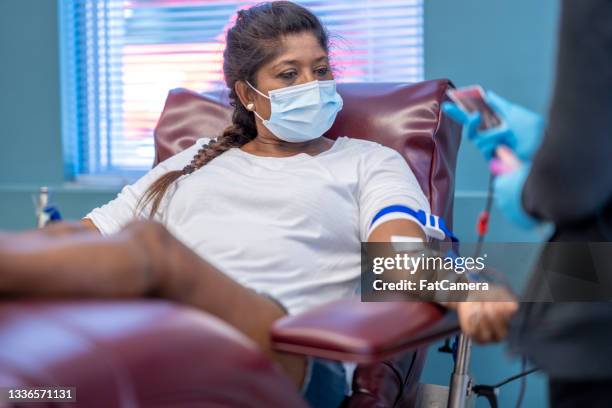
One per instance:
(142, 259)
(386, 179)
(87, 223)
(399, 227)
(484, 321)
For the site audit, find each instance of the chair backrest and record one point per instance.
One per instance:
(405, 117)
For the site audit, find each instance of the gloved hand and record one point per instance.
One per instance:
(508, 186)
(521, 131)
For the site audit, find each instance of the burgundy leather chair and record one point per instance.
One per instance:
(153, 353)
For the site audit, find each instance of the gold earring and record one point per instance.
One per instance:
(250, 106)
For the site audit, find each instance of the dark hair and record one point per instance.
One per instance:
(253, 41)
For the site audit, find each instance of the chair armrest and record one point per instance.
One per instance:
(350, 330)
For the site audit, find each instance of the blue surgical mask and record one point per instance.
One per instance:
(302, 112)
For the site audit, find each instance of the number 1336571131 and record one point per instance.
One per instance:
(37, 394)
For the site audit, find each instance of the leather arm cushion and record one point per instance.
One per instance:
(136, 353)
(350, 330)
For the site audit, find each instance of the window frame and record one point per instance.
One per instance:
(75, 137)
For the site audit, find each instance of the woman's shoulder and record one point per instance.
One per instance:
(182, 158)
(199, 143)
(366, 147)
(360, 144)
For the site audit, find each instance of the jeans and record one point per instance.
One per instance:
(325, 383)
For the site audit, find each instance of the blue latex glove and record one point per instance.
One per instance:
(521, 131)
(508, 192)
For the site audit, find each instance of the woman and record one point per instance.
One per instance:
(270, 202)
(276, 207)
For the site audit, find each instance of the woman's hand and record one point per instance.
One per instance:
(485, 318)
(486, 322)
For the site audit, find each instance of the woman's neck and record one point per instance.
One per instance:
(273, 147)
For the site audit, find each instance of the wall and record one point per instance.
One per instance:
(29, 101)
(505, 46)
(30, 131)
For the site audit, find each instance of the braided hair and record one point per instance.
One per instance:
(254, 40)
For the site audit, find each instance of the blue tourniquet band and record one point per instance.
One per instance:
(432, 224)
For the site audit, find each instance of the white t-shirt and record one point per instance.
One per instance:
(290, 227)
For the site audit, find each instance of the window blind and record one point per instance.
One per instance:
(121, 57)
